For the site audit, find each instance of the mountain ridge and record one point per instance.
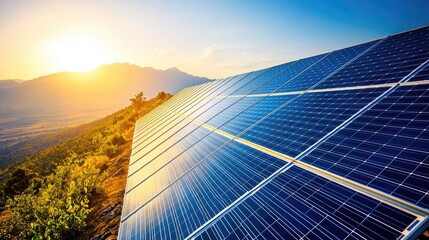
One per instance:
(98, 89)
(8, 83)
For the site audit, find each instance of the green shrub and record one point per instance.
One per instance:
(59, 209)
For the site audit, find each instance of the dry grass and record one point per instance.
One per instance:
(111, 194)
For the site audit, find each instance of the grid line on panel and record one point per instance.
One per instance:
(237, 202)
(150, 129)
(275, 93)
(183, 102)
(177, 100)
(261, 175)
(183, 105)
(171, 160)
(168, 137)
(302, 71)
(310, 66)
(390, 62)
(273, 77)
(396, 202)
(278, 156)
(363, 110)
(296, 201)
(187, 107)
(200, 122)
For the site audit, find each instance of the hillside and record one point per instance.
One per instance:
(11, 154)
(106, 88)
(74, 188)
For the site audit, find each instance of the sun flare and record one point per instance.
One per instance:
(80, 54)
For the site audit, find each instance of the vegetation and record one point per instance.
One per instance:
(49, 194)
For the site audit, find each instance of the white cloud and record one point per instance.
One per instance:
(215, 53)
(209, 53)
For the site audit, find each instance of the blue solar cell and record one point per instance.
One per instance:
(299, 124)
(207, 108)
(386, 148)
(158, 144)
(167, 167)
(166, 121)
(389, 62)
(251, 115)
(422, 75)
(300, 204)
(230, 113)
(167, 127)
(297, 68)
(200, 194)
(324, 68)
(151, 120)
(266, 77)
(238, 83)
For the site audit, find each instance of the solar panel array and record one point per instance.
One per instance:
(334, 146)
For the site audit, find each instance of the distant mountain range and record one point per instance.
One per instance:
(108, 87)
(10, 83)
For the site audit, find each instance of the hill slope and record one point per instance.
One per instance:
(73, 189)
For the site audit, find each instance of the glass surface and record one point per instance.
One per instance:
(199, 194)
(299, 204)
(389, 62)
(386, 148)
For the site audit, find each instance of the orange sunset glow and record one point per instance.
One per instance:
(214, 119)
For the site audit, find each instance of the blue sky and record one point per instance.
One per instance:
(206, 38)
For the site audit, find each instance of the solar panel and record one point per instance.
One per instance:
(297, 68)
(200, 193)
(333, 146)
(332, 63)
(388, 62)
(299, 204)
(303, 121)
(421, 76)
(386, 148)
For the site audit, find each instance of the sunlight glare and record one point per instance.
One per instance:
(80, 54)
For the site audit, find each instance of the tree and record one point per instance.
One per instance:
(18, 182)
(138, 101)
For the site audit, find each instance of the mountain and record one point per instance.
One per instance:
(106, 88)
(9, 83)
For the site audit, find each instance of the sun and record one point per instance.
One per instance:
(79, 53)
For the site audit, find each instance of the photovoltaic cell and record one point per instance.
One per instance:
(200, 194)
(388, 62)
(301, 205)
(238, 83)
(167, 128)
(229, 115)
(386, 148)
(167, 168)
(421, 76)
(264, 78)
(253, 114)
(323, 68)
(287, 75)
(299, 124)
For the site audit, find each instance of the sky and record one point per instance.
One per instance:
(215, 38)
